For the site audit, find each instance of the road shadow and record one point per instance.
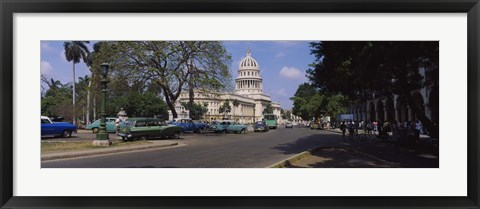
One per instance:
(394, 155)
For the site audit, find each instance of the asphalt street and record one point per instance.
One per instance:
(209, 150)
(260, 150)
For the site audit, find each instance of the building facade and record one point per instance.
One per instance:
(395, 109)
(248, 92)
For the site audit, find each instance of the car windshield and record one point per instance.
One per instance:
(269, 117)
(259, 123)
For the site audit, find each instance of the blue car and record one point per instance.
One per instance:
(189, 125)
(260, 126)
(62, 129)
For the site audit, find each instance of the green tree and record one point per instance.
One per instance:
(94, 82)
(268, 109)
(74, 52)
(196, 110)
(300, 99)
(235, 103)
(360, 69)
(172, 65)
(55, 101)
(225, 108)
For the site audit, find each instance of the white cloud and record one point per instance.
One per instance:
(280, 55)
(46, 68)
(292, 73)
(62, 56)
(45, 46)
(281, 92)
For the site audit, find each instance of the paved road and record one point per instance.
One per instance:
(259, 150)
(251, 150)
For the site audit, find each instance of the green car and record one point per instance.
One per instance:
(95, 126)
(229, 126)
(144, 128)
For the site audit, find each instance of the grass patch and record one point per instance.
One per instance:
(56, 147)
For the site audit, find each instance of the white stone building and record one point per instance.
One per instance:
(394, 109)
(248, 92)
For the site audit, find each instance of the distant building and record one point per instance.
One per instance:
(248, 92)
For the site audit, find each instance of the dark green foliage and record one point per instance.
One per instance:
(268, 109)
(360, 69)
(196, 110)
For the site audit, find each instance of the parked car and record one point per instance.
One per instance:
(260, 126)
(62, 129)
(144, 128)
(315, 125)
(288, 124)
(95, 126)
(189, 125)
(228, 126)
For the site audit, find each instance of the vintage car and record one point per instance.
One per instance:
(95, 126)
(288, 124)
(315, 125)
(189, 125)
(145, 128)
(228, 126)
(260, 126)
(62, 129)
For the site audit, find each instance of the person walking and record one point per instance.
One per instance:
(121, 118)
(343, 129)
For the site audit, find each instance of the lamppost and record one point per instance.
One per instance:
(253, 115)
(102, 139)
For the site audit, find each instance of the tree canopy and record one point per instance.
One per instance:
(172, 65)
(360, 69)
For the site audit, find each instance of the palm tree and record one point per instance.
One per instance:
(74, 51)
(89, 62)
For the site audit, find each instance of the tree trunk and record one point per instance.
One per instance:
(73, 96)
(88, 102)
(427, 123)
(171, 106)
(94, 108)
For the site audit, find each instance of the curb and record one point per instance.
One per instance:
(57, 156)
(290, 160)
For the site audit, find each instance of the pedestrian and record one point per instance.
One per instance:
(121, 118)
(419, 127)
(343, 129)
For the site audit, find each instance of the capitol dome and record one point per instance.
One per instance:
(248, 62)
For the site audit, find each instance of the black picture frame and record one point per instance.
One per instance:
(10, 7)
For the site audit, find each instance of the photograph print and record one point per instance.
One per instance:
(239, 104)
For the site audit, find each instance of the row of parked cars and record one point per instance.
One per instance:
(143, 128)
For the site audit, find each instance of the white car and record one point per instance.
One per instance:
(288, 124)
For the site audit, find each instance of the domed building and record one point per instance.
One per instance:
(248, 95)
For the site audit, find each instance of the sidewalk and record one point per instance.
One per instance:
(360, 154)
(155, 144)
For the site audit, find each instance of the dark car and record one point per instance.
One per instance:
(62, 129)
(144, 128)
(189, 125)
(260, 126)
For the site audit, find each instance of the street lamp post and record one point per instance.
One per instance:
(102, 139)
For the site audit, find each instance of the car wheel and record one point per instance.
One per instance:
(199, 131)
(124, 139)
(143, 138)
(242, 131)
(176, 135)
(66, 133)
(95, 130)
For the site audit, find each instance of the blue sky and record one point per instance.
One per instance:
(282, 64)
